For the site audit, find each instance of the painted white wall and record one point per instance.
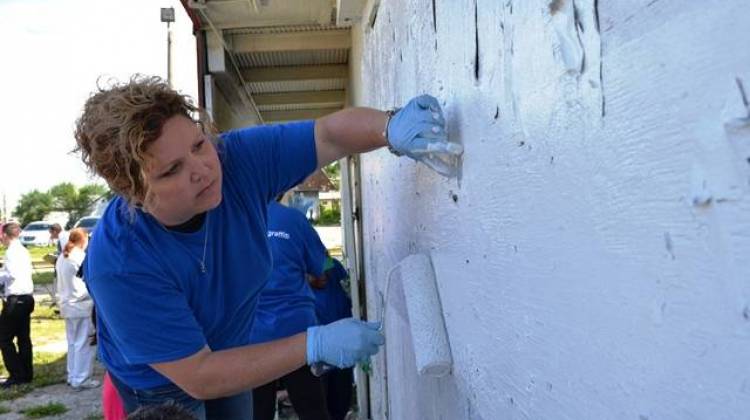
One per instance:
(593, 259)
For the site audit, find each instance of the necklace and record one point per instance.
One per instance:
(205, 245)
(202, 261)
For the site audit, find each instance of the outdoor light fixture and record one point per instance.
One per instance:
(167, 15)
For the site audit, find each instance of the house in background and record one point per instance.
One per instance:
(316, 189)
(330, 200)
(591, 259)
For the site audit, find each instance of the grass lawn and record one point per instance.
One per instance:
(43, 277)
(46, 326)
(37, 252)
(46, 410)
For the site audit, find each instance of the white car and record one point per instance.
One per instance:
(36, 233)
(87, 223)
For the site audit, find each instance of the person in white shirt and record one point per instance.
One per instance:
(18, 304)
(58, 238)
(76, 306)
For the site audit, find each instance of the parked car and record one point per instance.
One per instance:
(36, 234)
(87, 223)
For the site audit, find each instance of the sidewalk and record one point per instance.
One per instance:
(86, 404)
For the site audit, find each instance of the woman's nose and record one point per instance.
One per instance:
(198, 171)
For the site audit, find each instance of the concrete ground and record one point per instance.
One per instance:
(330, 235)
(86, 404)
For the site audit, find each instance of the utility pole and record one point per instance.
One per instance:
(167, 15)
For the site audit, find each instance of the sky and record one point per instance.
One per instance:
(51, 55)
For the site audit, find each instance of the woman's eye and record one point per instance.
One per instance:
(171, 171)
(198, 146)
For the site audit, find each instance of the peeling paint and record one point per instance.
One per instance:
(669, 245)
(567, 26)
(476, 41)
(434, 16)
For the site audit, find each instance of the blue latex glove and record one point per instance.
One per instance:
(418, 131)
(343, 343)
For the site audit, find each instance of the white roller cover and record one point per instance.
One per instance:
(431, 348)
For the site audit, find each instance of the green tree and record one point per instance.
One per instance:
(33, 206)
(76, 201)
(64, 196)
(333, 172)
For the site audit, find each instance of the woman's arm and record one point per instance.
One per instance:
(417, 131)
(213, 374)
(349, 131)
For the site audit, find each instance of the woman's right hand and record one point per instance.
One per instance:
(343, 343)
(418, 131)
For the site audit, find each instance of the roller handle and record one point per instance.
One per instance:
(319, 369)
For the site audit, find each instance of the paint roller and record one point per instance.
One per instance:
(426, 324)
(429, 337)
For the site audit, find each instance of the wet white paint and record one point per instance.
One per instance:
(593, 261)
(432, 353)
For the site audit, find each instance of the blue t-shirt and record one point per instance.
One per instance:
(287, 305)
(153, 302)
(331, 302)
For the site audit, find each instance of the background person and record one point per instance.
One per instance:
(76, 307)
(57, 238)
(112, 408)
(331, 304)
(185, 242)
(18, 304)
(286, 307)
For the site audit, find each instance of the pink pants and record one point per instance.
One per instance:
(111, 402)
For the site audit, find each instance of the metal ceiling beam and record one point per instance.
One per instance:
(300, 114)
(253, 4)
(217, 65)
(321, 99)
(295, 73)
(294, 41)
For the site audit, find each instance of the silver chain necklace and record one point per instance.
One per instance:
(202, 262)
(205, 245)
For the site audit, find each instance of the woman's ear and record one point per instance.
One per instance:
(149, 200)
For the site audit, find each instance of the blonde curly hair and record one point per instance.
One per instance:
(118, 124)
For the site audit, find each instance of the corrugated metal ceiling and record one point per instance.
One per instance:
(282, 29)
(293, 58)
(285, 19)
(298, 86)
